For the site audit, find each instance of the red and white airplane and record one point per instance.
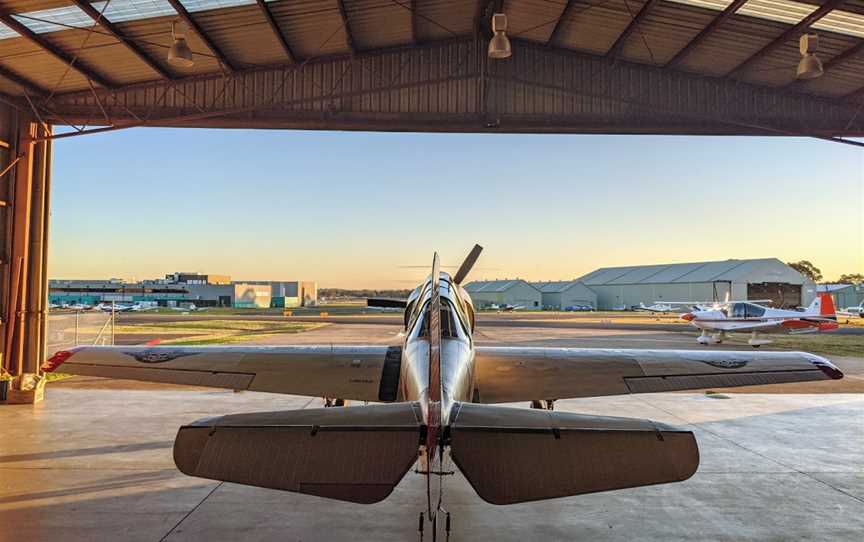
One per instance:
(749, 317)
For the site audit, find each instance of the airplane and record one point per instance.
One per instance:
(438, 396)
(657, 307)
(853, 311)
(506, 307)
(116, 307)
(749, 317)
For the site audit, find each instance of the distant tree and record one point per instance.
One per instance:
(851, 278)
(807, 269)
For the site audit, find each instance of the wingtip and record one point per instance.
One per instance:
(59, 358)
(830, 370)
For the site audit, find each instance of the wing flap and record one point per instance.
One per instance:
(516, 455)
(355, 454)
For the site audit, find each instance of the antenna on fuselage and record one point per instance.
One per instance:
(467, 264)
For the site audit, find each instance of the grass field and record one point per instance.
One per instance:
(213, 331)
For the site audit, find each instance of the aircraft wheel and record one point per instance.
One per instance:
(755, 345)
(538, 404)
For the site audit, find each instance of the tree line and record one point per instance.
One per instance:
(812, 272)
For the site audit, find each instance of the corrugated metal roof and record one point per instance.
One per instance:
(478, 286)
(832, 287)
(717, 271)
(314, 28)
(555, 286)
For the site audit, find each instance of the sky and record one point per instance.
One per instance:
(353, 210)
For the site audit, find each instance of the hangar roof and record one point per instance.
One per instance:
(718, 271)
(493, 286)
(556, 286)
(710, 37)
(116, 51)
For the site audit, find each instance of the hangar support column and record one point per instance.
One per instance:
(25, 173)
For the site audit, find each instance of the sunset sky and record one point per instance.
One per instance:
(348, 209)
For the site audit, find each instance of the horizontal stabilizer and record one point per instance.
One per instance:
(512, 455)
(355, 454)
(386, 303)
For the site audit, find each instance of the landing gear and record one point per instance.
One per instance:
(547, 404)
(704, 338)
(756, 342)
(334, 402)
(707, 338)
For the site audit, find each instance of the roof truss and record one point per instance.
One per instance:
(705, 32)
(38, 40)
(93, 13)
(453, 95)
(274, 26)
(616, 48)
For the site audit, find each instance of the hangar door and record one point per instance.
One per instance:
(781, 294)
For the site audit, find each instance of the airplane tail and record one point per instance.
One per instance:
(355, 454)
(497, 449)
(822, 306)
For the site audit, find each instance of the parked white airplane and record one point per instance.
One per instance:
(658, 306)
(439, 392)
(853, 311)
(506, 307)
(748, 317)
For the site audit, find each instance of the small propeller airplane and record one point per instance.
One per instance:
(749, 317)
(437, 398)
(657, 307)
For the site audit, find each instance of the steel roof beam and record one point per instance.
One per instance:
(22, 82)
(790, 34)
(414, 22)
(274, 26)
(349, 38)
(133, 47)
(56, 52)
(707, 31)
(214, 49)
(616, 48)
(565, 13)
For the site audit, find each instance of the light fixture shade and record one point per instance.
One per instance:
(180, 54)
(810, 67)
(499, 46)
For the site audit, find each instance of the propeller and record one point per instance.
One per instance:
(466, 266)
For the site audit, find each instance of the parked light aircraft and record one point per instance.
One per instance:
(438, 392)
(658, 306)
(853, 311)
(749, 317)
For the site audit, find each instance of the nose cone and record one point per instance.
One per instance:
(689, 316)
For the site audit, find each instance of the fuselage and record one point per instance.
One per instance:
(455, 371)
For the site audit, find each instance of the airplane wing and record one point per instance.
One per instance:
(360, 373)
(510, 374)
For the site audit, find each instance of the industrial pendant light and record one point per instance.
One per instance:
(499, 45)
(179, 54)
(809, 67)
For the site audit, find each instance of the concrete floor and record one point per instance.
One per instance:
(93, 462)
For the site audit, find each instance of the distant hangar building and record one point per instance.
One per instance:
(515, 292)
(561, 294)
(618, 288)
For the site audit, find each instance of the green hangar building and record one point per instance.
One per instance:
(620, 288)
(560, 294)
(516, 292)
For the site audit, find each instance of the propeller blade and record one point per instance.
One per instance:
(466, 266)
